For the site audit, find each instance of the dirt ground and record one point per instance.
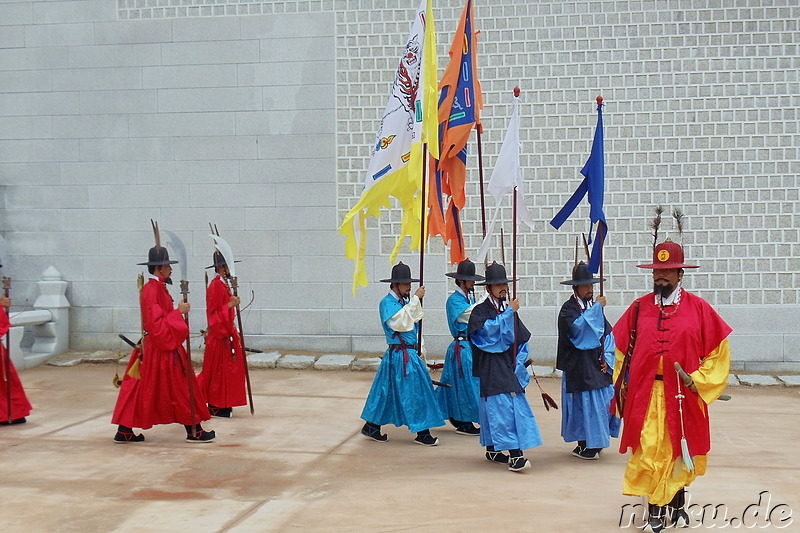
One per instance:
(300, 464)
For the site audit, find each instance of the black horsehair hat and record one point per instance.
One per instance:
(465, 271)
(581, 276)
(157, 255)
(495, 274)
(401, 273)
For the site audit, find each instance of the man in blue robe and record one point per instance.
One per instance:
(499, 351)
(402, 392)
(586, 388)
(459, 402)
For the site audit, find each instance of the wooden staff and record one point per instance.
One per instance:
(235, 288)
(422, 239)
(479, 130)
(189, 369)
(7, 367)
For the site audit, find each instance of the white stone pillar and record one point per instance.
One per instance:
(52, 338)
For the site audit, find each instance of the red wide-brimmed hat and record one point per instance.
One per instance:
(668, 254)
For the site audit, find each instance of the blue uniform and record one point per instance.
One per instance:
(585, 415)
(460, 400)
(401, 393)
(506, 419)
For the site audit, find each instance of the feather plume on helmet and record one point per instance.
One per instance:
(157, 255)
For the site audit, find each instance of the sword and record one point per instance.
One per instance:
(226, 251)
(180, 250)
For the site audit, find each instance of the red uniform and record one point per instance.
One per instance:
(20, 406)
(222, 378)
(692, 334)
(161, 395)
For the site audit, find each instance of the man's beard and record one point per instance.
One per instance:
(663, 291)
(168, 281)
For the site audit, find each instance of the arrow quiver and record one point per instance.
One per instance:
(133, 371)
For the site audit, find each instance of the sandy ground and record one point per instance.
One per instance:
(300, 464)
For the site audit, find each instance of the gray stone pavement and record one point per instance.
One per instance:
(300, 464)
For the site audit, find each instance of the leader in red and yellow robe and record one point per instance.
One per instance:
(691, 333)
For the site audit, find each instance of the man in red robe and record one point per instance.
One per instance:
(20, 406)
(160, 395)
(222, 378)
(666, 414)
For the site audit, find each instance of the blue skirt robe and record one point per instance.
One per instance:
(402, 392)
(585, 415)
(460, 400)
(507, 421)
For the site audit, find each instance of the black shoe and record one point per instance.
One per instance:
(680, 518)
(124, 436)
(517, 464)
(468, 429)
(588, 454)
(577, 451)
(13, 422)
(654, 525)
(426, 439)
(373, 431)
(220, 412)
(201, 435)
(497, 457)
(656, 519)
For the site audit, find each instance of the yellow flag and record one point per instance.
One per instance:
(395, 169)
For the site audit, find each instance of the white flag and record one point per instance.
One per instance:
(505, 176)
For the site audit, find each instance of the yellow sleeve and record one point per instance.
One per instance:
(712, 376)
(618, 364)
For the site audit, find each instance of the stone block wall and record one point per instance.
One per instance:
(258, 116)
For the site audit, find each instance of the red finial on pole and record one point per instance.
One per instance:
(599, 100)
(516, 91)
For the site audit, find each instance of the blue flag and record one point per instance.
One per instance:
(593, 184)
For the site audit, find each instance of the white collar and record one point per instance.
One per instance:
(583, 305)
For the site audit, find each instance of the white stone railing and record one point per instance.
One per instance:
(48, 323)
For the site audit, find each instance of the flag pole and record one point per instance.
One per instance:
(514, 228)
(422, 240)
(479, 131)
(599, 101)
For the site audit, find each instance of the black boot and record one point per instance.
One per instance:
(220, 412)
(373, 431)
(677, 514)
(125, 434)
(579, 448)
(425, 438)
(200, 434)
(517, 462)
(655, 524)
(497, 457)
